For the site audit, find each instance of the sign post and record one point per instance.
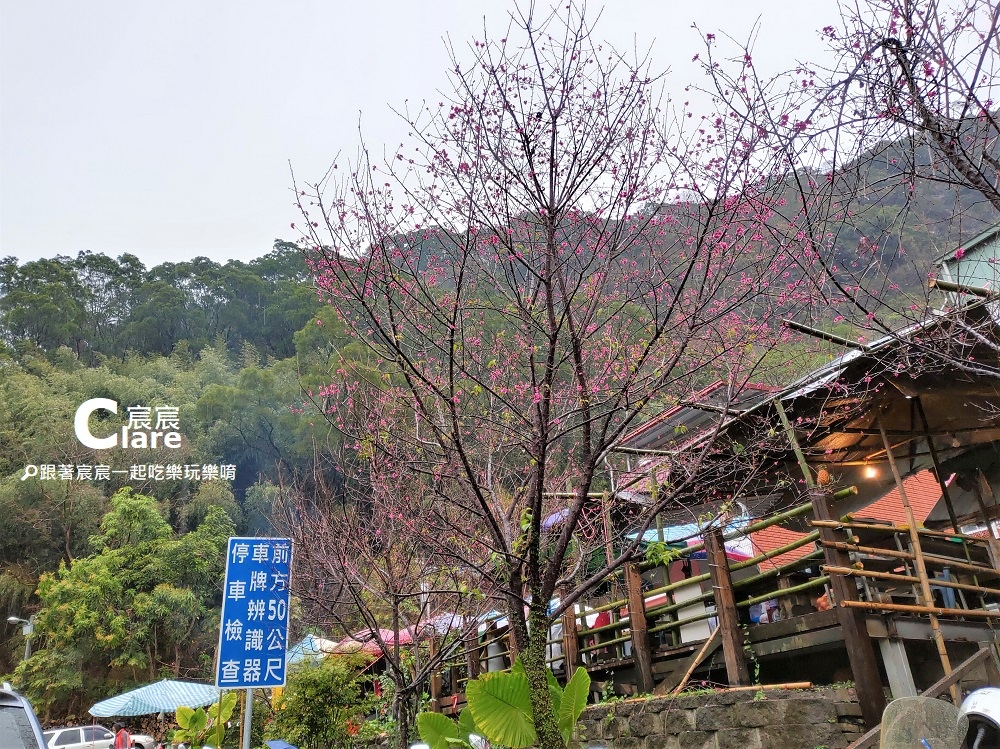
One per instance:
(253, 632)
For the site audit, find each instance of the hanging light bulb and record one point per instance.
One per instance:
(870, 471)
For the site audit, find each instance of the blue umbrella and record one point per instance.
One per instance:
(162, 697)
(279, 744)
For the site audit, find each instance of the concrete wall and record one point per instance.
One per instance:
(775, 719)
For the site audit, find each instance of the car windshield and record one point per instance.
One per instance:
(15, 728)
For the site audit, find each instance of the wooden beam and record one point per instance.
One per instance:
(570, 641)
(676, 681)
(984, 492)
(642, 656)
(725, 604)
(473, 656)
(860, 650)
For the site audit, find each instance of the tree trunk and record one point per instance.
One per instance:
(404, 714)
(533, 659)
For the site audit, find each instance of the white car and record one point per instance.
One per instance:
(90, 737)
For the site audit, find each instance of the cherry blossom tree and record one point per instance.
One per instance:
(363, 569)
(558, 254)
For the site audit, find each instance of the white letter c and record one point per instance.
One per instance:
(81, 423)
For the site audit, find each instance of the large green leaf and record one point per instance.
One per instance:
(198, 720)
(574, 700)
(184, 715)
(435, 729)
(467, 724)
(223, 710)
(501, 706)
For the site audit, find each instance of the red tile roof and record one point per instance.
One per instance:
(922, 491)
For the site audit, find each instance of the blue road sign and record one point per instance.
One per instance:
(253, 635)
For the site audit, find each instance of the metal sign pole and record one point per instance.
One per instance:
(247, 718)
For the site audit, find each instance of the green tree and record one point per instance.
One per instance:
(142, 603)
(321, 704)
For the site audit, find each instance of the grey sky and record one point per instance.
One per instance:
(165, 129)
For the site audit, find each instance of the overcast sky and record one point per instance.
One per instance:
(166, 129)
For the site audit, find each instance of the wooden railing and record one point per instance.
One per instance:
(879, 556)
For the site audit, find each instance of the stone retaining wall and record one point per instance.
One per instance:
(774, 719)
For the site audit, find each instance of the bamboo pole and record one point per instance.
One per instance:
(785, 685)
(816, 582)
(875, 575)
(680, 622)
(918, 558)
(609, 643)
(895, 554)
(760, 525)
(915, 609)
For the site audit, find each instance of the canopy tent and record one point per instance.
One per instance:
(309, 649)
(162, 697)
(365, 641)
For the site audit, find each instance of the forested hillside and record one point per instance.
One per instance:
(237, 349)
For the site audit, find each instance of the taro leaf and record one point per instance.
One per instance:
(184, 715)
(574, 700)
(198, 721)
(435, 729)
(501, 706)
(224, 711)
(467, 724)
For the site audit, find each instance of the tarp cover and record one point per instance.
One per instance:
(163, 696)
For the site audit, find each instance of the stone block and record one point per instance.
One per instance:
(848, 709)
(629, 742)
(760, 713)
(802, 736)
(645, 724)
(614, 727)
(663, 742)
(714, 717)
(588, 729)
(596, 712)
(738, 738)
(809, 711)
(696, 740)
(676, 721)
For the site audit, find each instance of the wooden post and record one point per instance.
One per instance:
(860, 650)
(918, 562)
(473, 656)
(642, 657)
(725, 605)
(571, 641)
(435, 678)
(785, 603)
